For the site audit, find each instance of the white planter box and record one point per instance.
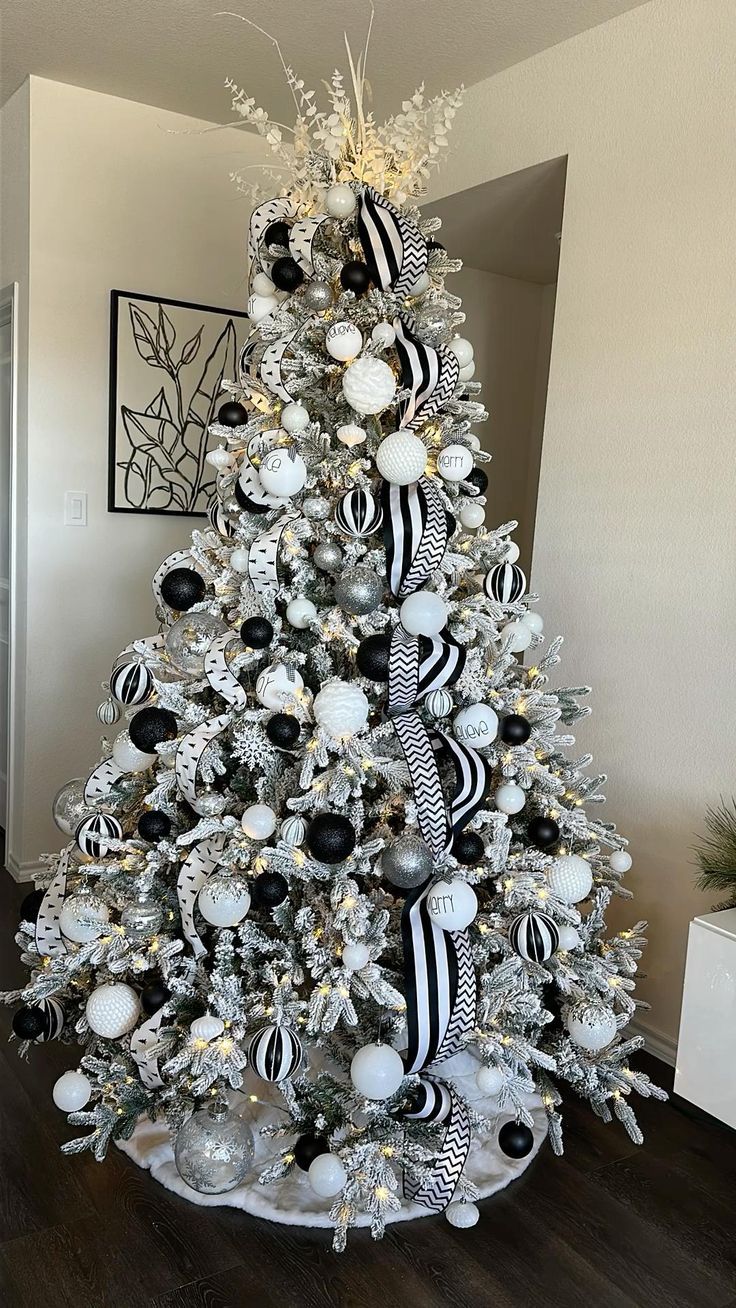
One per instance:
(706, 1049)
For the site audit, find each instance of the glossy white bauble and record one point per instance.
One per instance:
(401, 458)
(423, 613)
(489, 1080)
(300, 612)
(619, 860)
(71, 1092)
(223, 901)
(128, 758)
(83, 918)
(462, 1214)
(112, 1010)
(343, 341)
(420, 286)
(591, 1026)
(262, 284)
(355, 957)
(368, 385)
(260, 306)
(350, 434)
(452, 905)
(455, 463)
(467, 374)
(569, 938)
(472, 515)
(327, 1175)
(534, 621)
(341, 708)
(512, 552)
(259, 821)
(207, 1027)
(383, 335)
(283, 472)
(570, 878)
(294, 418)
(510, 798)
(340, 201)
(462, 350)
(276, 684)
(476, 726)
(518, 635)
(377, 1071)
(239, 560)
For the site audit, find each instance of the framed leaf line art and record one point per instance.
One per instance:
(168, 359)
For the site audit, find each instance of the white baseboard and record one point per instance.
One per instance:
(655, 1042)
(22, 872)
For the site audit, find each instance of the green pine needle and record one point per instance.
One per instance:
(716, 851)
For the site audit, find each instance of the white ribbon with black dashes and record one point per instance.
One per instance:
(393, 247)
(301, 240)
(217, 672)
(142, 1043)
(100, 781)
(430, 374)
(270, 211)
(49, 940)
(263, 555)
(190, 751)
(194, 871)
(271, 366)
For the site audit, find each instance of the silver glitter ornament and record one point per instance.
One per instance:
(432, 323)
(188, 640)
(327, 557)
(209, 804)
(142, 918)
(316, 508)
(214, 1151)
(439, 703)
(407, 862)
(358, 590)
(318, 296)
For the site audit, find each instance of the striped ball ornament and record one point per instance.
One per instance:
(358, 513)
(505, 583)
(220, 520)
(293, 830)
(534, 936)
(94, 832)
(39, 1022)
(108, 712)
(275, 1052)
(53, 1019)
(131, 682)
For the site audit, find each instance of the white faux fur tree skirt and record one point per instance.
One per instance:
(292, 1200)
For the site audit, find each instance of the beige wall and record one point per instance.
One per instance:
(636, 528)
(116, 200)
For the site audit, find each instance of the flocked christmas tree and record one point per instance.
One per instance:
(338, 855)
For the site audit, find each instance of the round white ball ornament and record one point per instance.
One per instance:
(368, 385)
(619, 860)
(534, 621)
(519, 636)
(112, 1010)
(259, 821)
(343, 341)
(341, 708)
(462, 1214)
(71, 1092)
(489, 1080)
(383, 334)
(355, 957)
(83, 918)
(276, 684)
(260, 306)
(472, 515)
(327, 1175)
(340, 201)
(476, 726)
(570, 878)
(569, 938)
(455, 463)
(467, 373)
(223, 901)
(128, 758)
(423, 613)
(239, 560)
(262, 284)
(377, 1071)
(294, 418)
(452, 905)
(300, 612)
(462, 349)
(512, 552)
(591, 1026)
(401, 458)
(283, 472)
(510, 798)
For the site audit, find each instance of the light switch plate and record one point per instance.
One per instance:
(75, 508)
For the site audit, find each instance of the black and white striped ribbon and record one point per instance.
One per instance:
(441, 1103)
(270, 211)
(301, 240)
(217, 672)
(414, 534)
(263, 555)
(142, 1042)
(473, 775)
(394, 249)
(190, 751)
(193, 873)
(101, 780)
(430, 374)
(440, 985)
(412, 675)
(49, 940)
(179, 559)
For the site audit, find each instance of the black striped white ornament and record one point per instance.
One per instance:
(505, 583)
(358, 513)
(534, 936)
(131, 682)
(108, 712)
(275, 1053)
(220, 520)
(94, 832)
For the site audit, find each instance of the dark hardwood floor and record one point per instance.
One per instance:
(610, 1225)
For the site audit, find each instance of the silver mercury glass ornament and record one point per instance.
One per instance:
(407, 862)
(142, 918)
(316, 508)
(318, 296)
(358, 590)
(214, 1150)
(327, 556)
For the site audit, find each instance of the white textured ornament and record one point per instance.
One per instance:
(276, 684)
(128, 758)
(377, 1071)
(300, 612)
(355, 957)
(463, 350)
(368, 385)
(341, 709)
(452, 905)
(283, 472)
(72, 1092)
(423, 614)
(467, 374)
(259, 821)
(569, 938)
(401, 458)
(79, 907)
(343, 341)
(489, 1080)
(619, 860)
(472, 515)
(112, 1010)
(340, 201)
(260, 306)
(383, 335)
(591, 1026)
(518, 634)
(224, 901)
(327, 1175)
(207, 1027)
(462, 1214)
(534, 621)
(350, 434)
(294, 418)
(219, 458)
(239, 560)
(476, 726)
(510, 798)
(455, 463)
(293, 830)
(570, 878)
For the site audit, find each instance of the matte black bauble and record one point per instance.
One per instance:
(478, 479)
(286, 274)
(245, 502)
(543, 831)
(515, 729)
(330, 837)
(467, 847)
(154, 825)
(29, 1023)
(434, 245)
(277, 234)
(355, 277)
(269, 890)
(31, 904)
(372, 657)
(232, 414)
(515, 1140)
(154, 996)
(307, 1148)
(283, 730)
(256, 632)
(183, 587)
(151, 727)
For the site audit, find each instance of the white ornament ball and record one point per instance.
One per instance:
(462, 1214)
(512, 552)
(223, 901)
(128, 758)
(262, 284)
(570, 878)
(472, 515)
(489, 1080)
(343, 341)
(569, 938)
(260, 306)
(368, 385)
(534, 621)
(473, 441)
(71, 1092)
(455, 463)
(423, 613)
(355, 957)
(340, 201)
(276, 684)
(300, 612)
(206, 1028)
(83, 918)
(112, 1010)
(591, 1026)
(377, 1071)
(294, 418)
(452, 905)
(510, 798)
(467, 374)
(327, 1175)
(401, 458)
(619, 860)
(239, 560)
(476, 726)
(283, 472)
(259, 821)
(383, 335)
(462, 350)
(341, 708)
(420, 286)
(519, 636)
(350, 434)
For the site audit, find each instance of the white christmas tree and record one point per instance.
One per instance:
(339, 852)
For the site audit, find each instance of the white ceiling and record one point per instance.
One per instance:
(176, 53)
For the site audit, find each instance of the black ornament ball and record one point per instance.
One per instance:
(31, 905)
(29, 1023)
(451, 521)
(154, 825)
(283, 730)
(515, 729)
(435, 245)
(355, 276)
(154, 996)
(330, 837)
(286, 274)
(307, 1148)
(479, 480)
(515, 1140)
(232, 414)
(543, 831)
(151, 727)
(256, 632)
(372, 657)
(183, 587)
(467, 847)
(277, 234)
(269, 890)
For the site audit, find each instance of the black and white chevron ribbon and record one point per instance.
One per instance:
(194, 871)
(412, 675)
(439, 1102)
(263, 555)
(414, 534)
(142, 1042)
(270, 211)
(49, 940)
(190, 751)
(217, 672)
(422, 764)
(101, 780)
(430, 374)
(394, 249)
